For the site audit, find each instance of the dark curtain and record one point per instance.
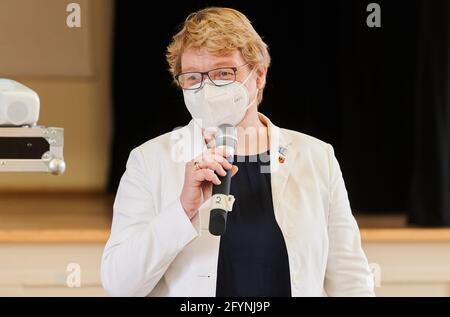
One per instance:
(361, 89)
(430, 198)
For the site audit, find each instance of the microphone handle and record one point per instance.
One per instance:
(218, 217)
(224, 187)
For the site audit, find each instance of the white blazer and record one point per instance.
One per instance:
(155, 250)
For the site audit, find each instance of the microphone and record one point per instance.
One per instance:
(221, 200)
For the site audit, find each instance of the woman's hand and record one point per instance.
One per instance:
(200, 174)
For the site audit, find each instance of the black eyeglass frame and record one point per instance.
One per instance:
(204, 74)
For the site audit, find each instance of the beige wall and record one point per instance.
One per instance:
(80, 103)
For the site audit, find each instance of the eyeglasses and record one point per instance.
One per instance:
(194, 80)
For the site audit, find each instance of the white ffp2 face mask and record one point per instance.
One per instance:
(214, 105)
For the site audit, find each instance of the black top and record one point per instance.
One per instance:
(253, 259)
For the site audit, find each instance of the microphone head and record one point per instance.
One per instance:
(226, 135)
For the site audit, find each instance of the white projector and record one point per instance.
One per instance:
(19, 105)
(25, 146)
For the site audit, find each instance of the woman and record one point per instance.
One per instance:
(290, 231)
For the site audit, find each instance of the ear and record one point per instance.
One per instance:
(261, 73)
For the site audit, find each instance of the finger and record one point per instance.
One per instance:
(234, 170)
(212, 177)
(211, 154)
(213, 157)
(223, 151)
(206, 175)
(225, 164)
(207, 156)
(215, 166)
(209, 138)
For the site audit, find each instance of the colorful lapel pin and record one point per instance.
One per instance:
(282, 157)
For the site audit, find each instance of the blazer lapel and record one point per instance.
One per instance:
(282, 158)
